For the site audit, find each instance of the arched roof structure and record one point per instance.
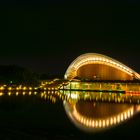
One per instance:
(95, 58)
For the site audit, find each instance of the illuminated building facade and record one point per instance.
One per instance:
(100, 67)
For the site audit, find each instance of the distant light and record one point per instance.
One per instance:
(74, 96)
(2, 88)
(9, 93)
(24, 88)
(10, 88)
(17, 93)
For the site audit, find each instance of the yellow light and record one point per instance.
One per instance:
(122, 117)
(114, 120)
(125, 115)
(24, 88)
(45, 96)
(1, 93)
(9, 93)
(30, 88)
(90, 122)
(42, 95)
(87, 123)
(131, 112)
(118, 118)
(2, 88)
(100, 123)
(84, 121)
(107, 122)
(93, 123)
(111, 121)
(10, 88)
(103, 123)
(17, 93)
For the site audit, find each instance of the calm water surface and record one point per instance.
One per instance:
(29, 115)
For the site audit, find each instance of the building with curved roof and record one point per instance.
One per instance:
(100, 67)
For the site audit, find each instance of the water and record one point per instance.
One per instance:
(31, 115)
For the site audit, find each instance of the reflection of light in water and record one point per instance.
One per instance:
(17, 93)
(23, 93)
(74, 96)
(43, 95)
(35, 93)
(103, 122)
(9, 93)
(102, 119)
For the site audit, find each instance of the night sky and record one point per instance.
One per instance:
(47, 36)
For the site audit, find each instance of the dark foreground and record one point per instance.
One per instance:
(30, 117)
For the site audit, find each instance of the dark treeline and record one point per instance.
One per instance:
(48, 76)
(13, 74)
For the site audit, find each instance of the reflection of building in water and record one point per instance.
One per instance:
(100, 67)
(103, 86)
(100, 96)
(93, 117)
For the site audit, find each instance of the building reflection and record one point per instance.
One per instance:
(89, 111)
(110, 97)
(94, 116)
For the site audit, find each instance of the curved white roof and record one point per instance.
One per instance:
(95, 58)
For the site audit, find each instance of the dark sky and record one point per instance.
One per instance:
(47, 36)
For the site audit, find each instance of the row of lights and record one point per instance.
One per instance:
(18, 93)
(111, 98)
(102, 123)
(133, 92)
(51, 98)
(75, 67)
(43, 95)
(5, 87)
(104, 60)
